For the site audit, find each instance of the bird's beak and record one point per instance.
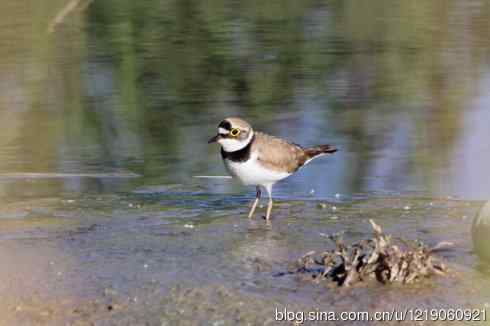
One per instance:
(214, 139)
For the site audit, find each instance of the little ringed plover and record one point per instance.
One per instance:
(258, 159)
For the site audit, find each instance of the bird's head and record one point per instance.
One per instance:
(233, 134)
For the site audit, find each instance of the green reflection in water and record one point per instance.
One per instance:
(132, 86)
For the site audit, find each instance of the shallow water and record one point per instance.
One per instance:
(106, 111)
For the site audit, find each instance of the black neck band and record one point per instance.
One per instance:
(240, 155)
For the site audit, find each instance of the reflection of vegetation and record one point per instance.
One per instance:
(199, 50)
(145, 66)
(413, 56)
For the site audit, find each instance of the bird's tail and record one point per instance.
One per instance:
(316, 151)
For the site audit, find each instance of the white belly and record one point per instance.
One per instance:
(252, 172)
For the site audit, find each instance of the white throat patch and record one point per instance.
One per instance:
(233, 145)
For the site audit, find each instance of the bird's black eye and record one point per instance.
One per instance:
(235, 132)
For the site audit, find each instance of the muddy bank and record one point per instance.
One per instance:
(178, 256)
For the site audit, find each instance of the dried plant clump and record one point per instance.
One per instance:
(377, 258)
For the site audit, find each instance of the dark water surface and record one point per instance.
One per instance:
(105, 114)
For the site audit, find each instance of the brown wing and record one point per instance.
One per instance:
(278, 154)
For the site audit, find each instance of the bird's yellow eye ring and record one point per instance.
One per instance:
(235, 132)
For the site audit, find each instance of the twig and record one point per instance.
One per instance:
(212, 176)
(48, 175)
(66, 10)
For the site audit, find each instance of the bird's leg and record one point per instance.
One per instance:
(269, 206)
(254, 205)
(269, 209)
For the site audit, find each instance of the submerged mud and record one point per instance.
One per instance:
(177, 255)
